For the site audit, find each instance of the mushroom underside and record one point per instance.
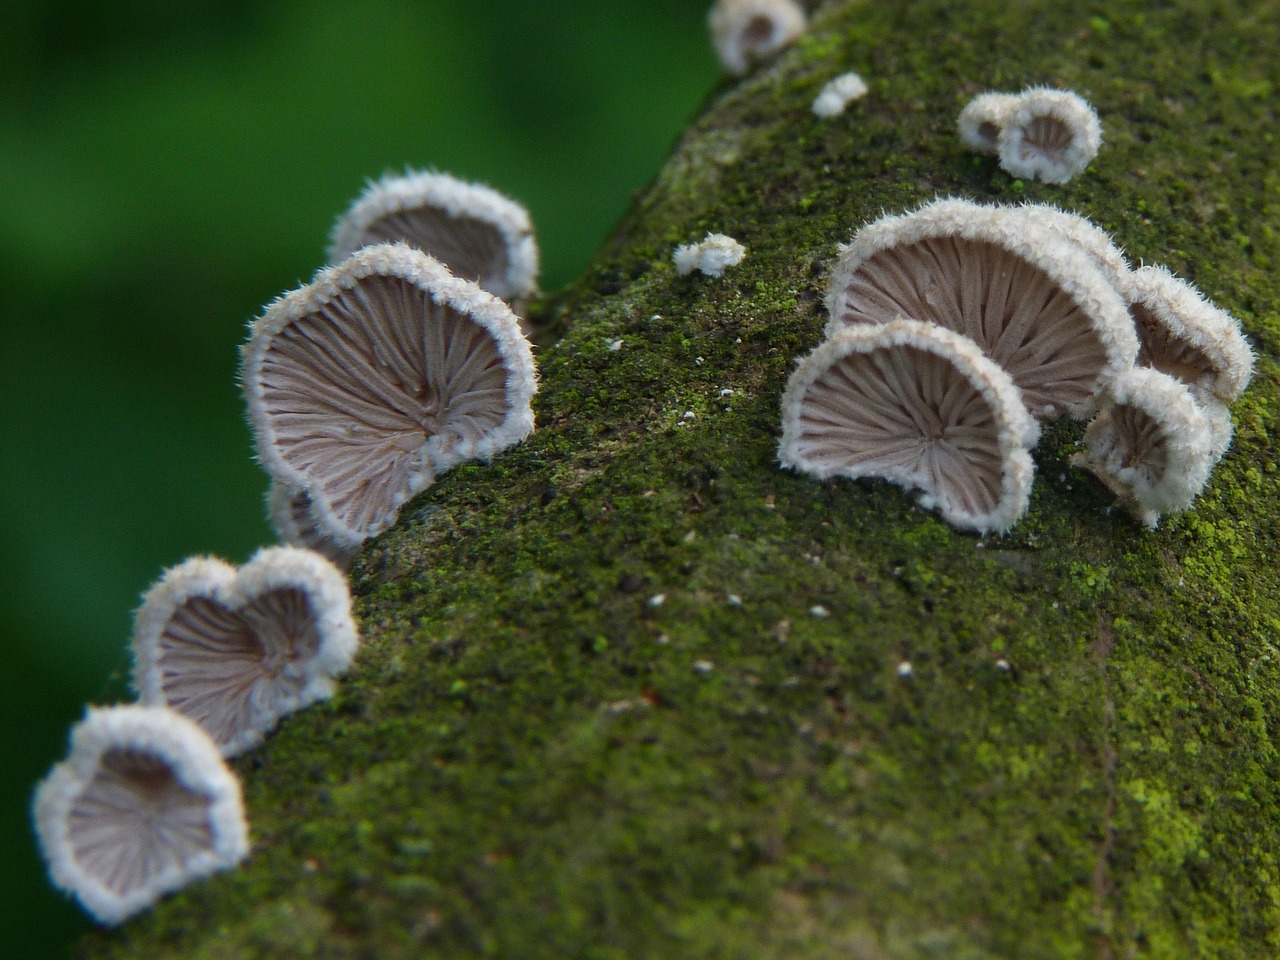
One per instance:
(1020, 316)
(365, 391)
(909, 416)
(471, 248)
(135, 821)
(236, 672)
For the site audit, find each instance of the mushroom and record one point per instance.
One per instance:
(982, 119)
(1050, 135)
(1086, 235)
(143, 805)
(711, 256)
(744, 31)
(1184, 335)
(289, 512)
(472, 229)
(1150, 444)
(385, 371)
(919, 406)
(236, 650)
(838, 94)
(1035, 302)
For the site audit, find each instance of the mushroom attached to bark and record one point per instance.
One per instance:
(1150, 444)
(1035, 302)
(919, 406)
(476, 232)
(838, 93)
(289, 511)
(746, 31)
(385, 371)
(1049, 135)
(982, 119)
(712, 255)
(143, 805)
(236, 650)
(1184, 335)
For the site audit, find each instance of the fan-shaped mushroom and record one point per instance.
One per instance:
(1184, 335)
(982, 119)
(1150, 444)
(744, 31)
(476, 232)
(1035, 302)
(236, 650)
(917, 405)
(142, 806)
(1050, 135)
(382, 373)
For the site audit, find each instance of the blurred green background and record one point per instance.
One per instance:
(167, 167)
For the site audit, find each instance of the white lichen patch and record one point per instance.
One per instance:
(143, 805)
(712, 256)
(838, 94)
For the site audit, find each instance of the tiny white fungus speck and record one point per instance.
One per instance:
(818, 610)
(703, 666)
(615, 345)
(657, 600)
(838, 94)
(905, 669)
(735, 600)
(711, 256)
(1002, 664)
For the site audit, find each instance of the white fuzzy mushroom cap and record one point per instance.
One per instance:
(143, 805)
(982, 119)
(1034, 301)
(745, 31)
(1184, 335)
(919, 406)
(712, 256)
(236, 650)
(1049, 135)
(838, 94)
(376, 377)
(472, 229)
(1085, 234)
(1150, 444)
(289, 513)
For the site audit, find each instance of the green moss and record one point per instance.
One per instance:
(536, 756)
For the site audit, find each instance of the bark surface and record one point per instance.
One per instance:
(632, 691)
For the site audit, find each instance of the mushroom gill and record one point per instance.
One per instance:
(919, 406)
(142, 806)
(1035, 302)
(1150, 444)
(476, 232)
(381, 374)
(236, 650)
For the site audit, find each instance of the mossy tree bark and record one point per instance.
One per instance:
(632, 691)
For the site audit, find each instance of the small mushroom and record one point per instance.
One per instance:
(919, 406)
(838, 94)
(289, 512)
(1035, 302)
(1049, 135)
(236, 650)
(385, 371)
(712, 256)
(1184, 335)
(1150, 444)
(982, 119)
(143, 805)
(472, 229)
(746, 31)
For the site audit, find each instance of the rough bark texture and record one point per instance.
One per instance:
(599, 713)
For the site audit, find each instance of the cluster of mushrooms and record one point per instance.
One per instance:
(1040, 133)
(362, 387)
(956, 328)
